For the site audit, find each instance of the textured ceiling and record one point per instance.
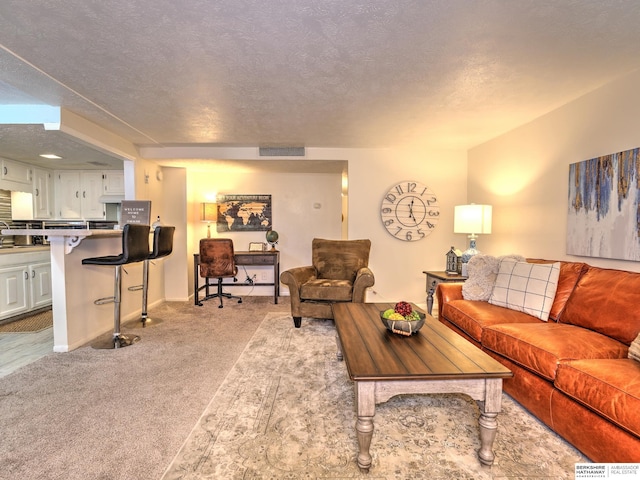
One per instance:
(314, 73)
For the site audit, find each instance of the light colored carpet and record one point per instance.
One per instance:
(123, 414)
(286, 411)
(30, 324)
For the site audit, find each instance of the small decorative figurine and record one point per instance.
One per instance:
(454, 261)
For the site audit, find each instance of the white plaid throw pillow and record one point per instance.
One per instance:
(526, 287)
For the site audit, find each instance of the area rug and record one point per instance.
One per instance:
(286, 411)
(31, 324)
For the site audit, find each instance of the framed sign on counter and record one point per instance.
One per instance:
(135, 211)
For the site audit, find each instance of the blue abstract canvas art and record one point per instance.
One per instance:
(603, 216)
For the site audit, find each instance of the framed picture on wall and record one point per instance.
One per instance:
(244, 213)
(603, 219)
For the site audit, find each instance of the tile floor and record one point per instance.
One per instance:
(20, 349)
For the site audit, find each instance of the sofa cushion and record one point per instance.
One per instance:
(329, 290)
(526, 287)
(473, 316)
(606, 301)
(609, 387)
(569, 275)
(539, 347)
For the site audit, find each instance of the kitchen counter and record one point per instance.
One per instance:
(72, 236)
(23, 249)
(77, 320)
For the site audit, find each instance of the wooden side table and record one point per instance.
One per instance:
(433, 279)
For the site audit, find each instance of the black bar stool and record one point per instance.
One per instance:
(162, 247)
(135, 248)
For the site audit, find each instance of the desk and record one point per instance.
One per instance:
(245, 258)
(433, 279)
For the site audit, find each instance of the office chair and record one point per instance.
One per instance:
(216, 261)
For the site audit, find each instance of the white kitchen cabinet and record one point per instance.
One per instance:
(42, 193)
(91, 206)
(78, 195)
(24, 287)
(16, 172)
(113, 182)
(14, 298)
(40, 284)
(69, 203)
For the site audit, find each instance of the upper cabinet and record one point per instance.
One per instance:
(113, 182)
(16, 172)
(42, 193)
(78, 193)
(60, 194)
(15, 176)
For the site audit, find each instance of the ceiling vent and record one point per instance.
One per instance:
(282, 151)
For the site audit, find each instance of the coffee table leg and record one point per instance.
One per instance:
(339, 352)
(491, 406)
(488, 428)
(366, 408)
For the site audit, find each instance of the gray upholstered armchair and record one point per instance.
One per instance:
(340, 273)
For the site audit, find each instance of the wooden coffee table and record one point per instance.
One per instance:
(435, 360)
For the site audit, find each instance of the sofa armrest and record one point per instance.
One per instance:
(364, 279)
(446, 292)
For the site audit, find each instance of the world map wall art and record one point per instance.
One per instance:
(603, 217)
(244, 213)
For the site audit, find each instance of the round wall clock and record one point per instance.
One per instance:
(409, 211)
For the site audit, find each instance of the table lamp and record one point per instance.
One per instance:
(209, 214)
(471, 219)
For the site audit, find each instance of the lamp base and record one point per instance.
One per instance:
(470, 252)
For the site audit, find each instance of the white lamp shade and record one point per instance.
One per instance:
(473, 219)
(209, 212)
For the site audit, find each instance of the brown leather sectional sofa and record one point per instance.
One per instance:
(572, 372)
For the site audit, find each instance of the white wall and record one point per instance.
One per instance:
(397, 265)
(524, 173)
(148, 185)
(297, 222)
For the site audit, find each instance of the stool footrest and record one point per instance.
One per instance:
(135, 288)
(104, 300)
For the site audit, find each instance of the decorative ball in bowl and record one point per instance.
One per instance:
(402, 319)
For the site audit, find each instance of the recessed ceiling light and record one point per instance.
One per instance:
(51, 156)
